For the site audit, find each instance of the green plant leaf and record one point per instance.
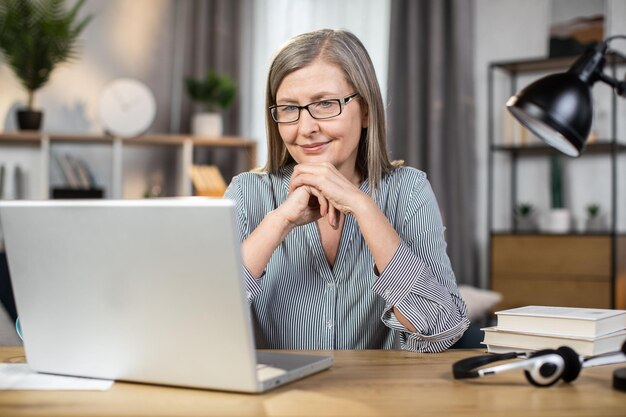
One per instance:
(213, 91)
(37, 35)
(593, 210)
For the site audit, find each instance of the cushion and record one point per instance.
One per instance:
(479, 302)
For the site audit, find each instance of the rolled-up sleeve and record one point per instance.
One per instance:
(419, 281)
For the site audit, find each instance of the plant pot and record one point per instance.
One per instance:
(526, 224)
(558, 221)
(596, 224)
(207, 124)
(29, 119)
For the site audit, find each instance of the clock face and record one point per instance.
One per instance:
(127, 107)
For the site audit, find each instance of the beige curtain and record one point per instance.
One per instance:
(431, 112)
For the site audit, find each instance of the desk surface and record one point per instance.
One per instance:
(361, 383)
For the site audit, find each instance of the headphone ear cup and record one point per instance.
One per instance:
(548, 368)
(572, 363)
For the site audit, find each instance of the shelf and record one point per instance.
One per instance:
(184, 147)
(601, 147)
(548, 234)
(579, 268)
(163, 139)
(551, 64)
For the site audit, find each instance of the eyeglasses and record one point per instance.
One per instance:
(323, 109)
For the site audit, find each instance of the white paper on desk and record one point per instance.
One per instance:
(19, 376)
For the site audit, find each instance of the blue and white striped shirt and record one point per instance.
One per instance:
(300, 302)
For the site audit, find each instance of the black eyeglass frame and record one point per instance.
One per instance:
(342, 102)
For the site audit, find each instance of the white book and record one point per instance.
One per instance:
(80, 170)
(500, 340)
(1, 181)
(505, 349)
(71, 177)
(564, 321)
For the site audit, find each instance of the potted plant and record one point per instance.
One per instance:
(559, 216)
(525, 217)
(213, 92)
(36, 36)
(595, 221)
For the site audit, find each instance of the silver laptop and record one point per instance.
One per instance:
(139, 290)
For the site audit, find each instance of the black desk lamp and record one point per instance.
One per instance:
(558, 108)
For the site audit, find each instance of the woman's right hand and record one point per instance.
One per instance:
(304, 205)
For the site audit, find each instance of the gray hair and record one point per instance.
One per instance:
(345, 50)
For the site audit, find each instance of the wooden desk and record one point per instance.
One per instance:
(361, 383)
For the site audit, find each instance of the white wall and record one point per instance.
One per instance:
(563, 10)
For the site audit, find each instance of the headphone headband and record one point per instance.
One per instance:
(467, 368)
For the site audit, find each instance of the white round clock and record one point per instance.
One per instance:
(127, 107)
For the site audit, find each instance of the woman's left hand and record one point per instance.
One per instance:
(342, 195)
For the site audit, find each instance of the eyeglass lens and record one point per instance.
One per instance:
(320, 110)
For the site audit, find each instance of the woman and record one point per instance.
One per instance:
(342, 249)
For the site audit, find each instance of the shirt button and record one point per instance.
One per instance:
(329, 324)
(331, 285)
(387, 293)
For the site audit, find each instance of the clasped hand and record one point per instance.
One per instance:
(319, 190)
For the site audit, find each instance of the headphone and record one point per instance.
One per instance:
(542, 368)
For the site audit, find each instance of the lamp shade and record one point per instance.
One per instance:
(558, 109)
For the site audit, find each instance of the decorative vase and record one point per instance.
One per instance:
(29, 119)
(526, 224)
(558, 221)
(207, 124)
(596, 224)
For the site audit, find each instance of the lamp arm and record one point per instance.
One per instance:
(619, 86)
(610, 38)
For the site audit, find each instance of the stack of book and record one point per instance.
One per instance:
(589, 331)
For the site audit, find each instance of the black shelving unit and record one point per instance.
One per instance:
(610, 148)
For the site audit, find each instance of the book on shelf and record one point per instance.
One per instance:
(562, 321)
(2, 181)
(81, 170)
(19, 182)
(12, 182)
(76, 172)
(208, 181)
(71, 178)
(500, 341)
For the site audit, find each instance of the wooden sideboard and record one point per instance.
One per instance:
(574, 270)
